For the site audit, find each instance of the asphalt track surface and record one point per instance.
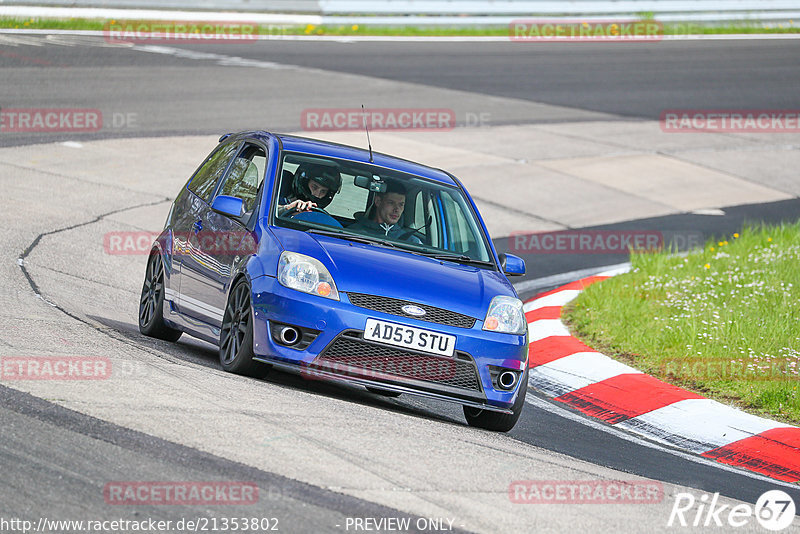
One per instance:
(633, 80)
(613, 80)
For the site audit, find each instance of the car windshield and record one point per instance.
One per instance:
(374, 204)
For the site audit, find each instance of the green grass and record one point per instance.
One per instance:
(669, 29)
(723, 321)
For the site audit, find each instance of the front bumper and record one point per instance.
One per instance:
(339, 352)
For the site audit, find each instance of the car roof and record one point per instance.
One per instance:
(294, 143)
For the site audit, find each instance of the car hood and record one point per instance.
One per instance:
(378, 270)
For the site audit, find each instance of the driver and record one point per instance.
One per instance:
(386, 214)
(313, 186)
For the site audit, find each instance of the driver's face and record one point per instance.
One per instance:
(389, 208)
(317, 190)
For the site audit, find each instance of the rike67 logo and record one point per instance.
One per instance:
(774, 510)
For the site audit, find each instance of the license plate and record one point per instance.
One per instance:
(409, 337)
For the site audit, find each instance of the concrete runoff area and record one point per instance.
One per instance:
(524, 178)
(74, 194)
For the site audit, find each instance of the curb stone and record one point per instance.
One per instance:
(571, 372)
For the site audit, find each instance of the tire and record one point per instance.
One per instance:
(383, 392)
(496, 421)
(236, 335)
(151, 302)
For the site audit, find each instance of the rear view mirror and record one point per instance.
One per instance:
(374, 183)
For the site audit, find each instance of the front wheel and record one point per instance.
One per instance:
(499, 422)
(236, 335)
(151, 302)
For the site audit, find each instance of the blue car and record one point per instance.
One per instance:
(338, 263)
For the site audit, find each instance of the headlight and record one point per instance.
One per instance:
(304, 273)
(505, 315)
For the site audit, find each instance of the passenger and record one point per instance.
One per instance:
(386, 213)
(313, 186)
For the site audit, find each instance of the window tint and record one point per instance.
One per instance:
(245, 176)
(203, 182)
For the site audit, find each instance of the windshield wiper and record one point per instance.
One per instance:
(460, 258)
(353, 237)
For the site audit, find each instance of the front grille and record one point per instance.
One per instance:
(349, 354)
(393, 307)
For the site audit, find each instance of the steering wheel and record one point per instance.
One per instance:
(292, 211)
(314, 215)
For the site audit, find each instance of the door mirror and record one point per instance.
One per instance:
(230, 206)
(512, 265)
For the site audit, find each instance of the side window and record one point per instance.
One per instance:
(423, 217)
(245, 176)
(435, 232)
(203, 182)
(419, 209)
(426, 217)
(462, 231)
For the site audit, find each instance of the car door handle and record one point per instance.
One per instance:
(197, 226)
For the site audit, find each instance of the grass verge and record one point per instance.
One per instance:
(749, 27)
(723, 321)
